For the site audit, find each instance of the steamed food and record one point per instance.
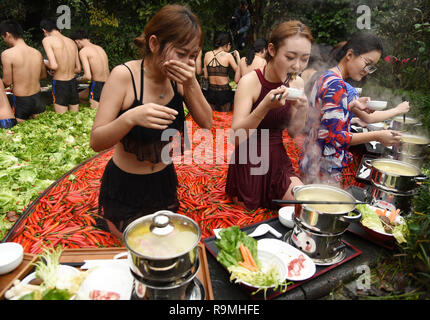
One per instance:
(415, 139)
(326, 195)
(396, 168)
(181, 240)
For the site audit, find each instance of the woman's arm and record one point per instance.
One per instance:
(238, 73)
(247, 93)
(234, 60)
(379, 116)
(386, 137)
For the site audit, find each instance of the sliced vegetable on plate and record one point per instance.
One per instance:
(249, 265)
(383, 224)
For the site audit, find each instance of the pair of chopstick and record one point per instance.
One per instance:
(316, 202)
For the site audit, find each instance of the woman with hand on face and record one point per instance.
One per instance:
(326, 147)
(216, 66)
(140, 99)
(261, 103)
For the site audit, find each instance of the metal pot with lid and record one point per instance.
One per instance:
(394, 175)
(405, 124)
(163, 248)
(325, 218)
(412, 145)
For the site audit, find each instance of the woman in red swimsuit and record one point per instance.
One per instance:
(260, 103)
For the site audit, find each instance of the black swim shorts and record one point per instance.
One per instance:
(8, 123)
(96, 90)
(65, 93)
(27, 106)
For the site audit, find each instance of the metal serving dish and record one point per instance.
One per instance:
(166, 227)
(329, 219)
(394, 175)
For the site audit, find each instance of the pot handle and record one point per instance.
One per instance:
(163, 269)
(354, 218)
(421, 178)
(295, 189)
(368, 163)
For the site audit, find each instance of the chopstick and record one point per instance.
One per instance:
(404, 115)
(316, 202)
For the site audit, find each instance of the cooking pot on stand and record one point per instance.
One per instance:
(409, 124)
(160, 269)
(390, 200)
(394, 175)
(413, 145)
(328, 219)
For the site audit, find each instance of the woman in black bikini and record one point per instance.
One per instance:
(141, 99)
(216, 66)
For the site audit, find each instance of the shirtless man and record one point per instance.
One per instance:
(23, 67)
(63, 59)
(95, 64)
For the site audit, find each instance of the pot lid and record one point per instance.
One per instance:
(161, 225)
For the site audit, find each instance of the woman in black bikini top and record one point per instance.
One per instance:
(136, 182)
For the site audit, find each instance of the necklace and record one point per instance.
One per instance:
(161, 96)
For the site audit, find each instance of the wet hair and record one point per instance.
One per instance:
(12, 27)
(174, 24)
(361, 42)
(288, 29)
(222, 39)
(79, 35)
(48, 25)
(256, 47)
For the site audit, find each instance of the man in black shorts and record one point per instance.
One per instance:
(23, 67)
(95, 64)
(63, 59)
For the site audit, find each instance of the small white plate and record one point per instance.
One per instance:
(289, 255)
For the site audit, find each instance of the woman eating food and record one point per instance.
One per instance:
(261, 103)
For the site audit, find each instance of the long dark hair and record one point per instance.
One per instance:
(256, 47)
(221, 40)
(361, 42)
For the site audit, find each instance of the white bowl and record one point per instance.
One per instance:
(267, 260)
(294, 93)
(11, 255)
(359, 90)
(286, 216)
(377, 105)
(376, 126)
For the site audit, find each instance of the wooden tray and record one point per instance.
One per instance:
(77, 257)
(6, 280)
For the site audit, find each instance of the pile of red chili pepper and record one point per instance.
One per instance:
(65, 214)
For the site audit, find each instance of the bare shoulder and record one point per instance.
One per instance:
(122, 73)
(250, 80)
(8, 53)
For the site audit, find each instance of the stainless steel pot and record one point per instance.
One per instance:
(418, 148)
(409, 125)
(334, 222)
(323, 249)
(416, 161)
(389, 179)
(392, 200)
(163, 270)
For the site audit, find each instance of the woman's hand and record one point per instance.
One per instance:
(360, 104)
(181, 72)
(276, 98)
(300, 102)
(389, 137)
(151, 115)
(403, 108)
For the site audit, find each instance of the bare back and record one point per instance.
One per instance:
(225, 59)
(26, 67)
(97, 61)
(65, 54)
(257, 63)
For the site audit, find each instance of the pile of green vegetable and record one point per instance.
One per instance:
(36, 153)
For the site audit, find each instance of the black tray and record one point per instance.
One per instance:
(351, 252)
